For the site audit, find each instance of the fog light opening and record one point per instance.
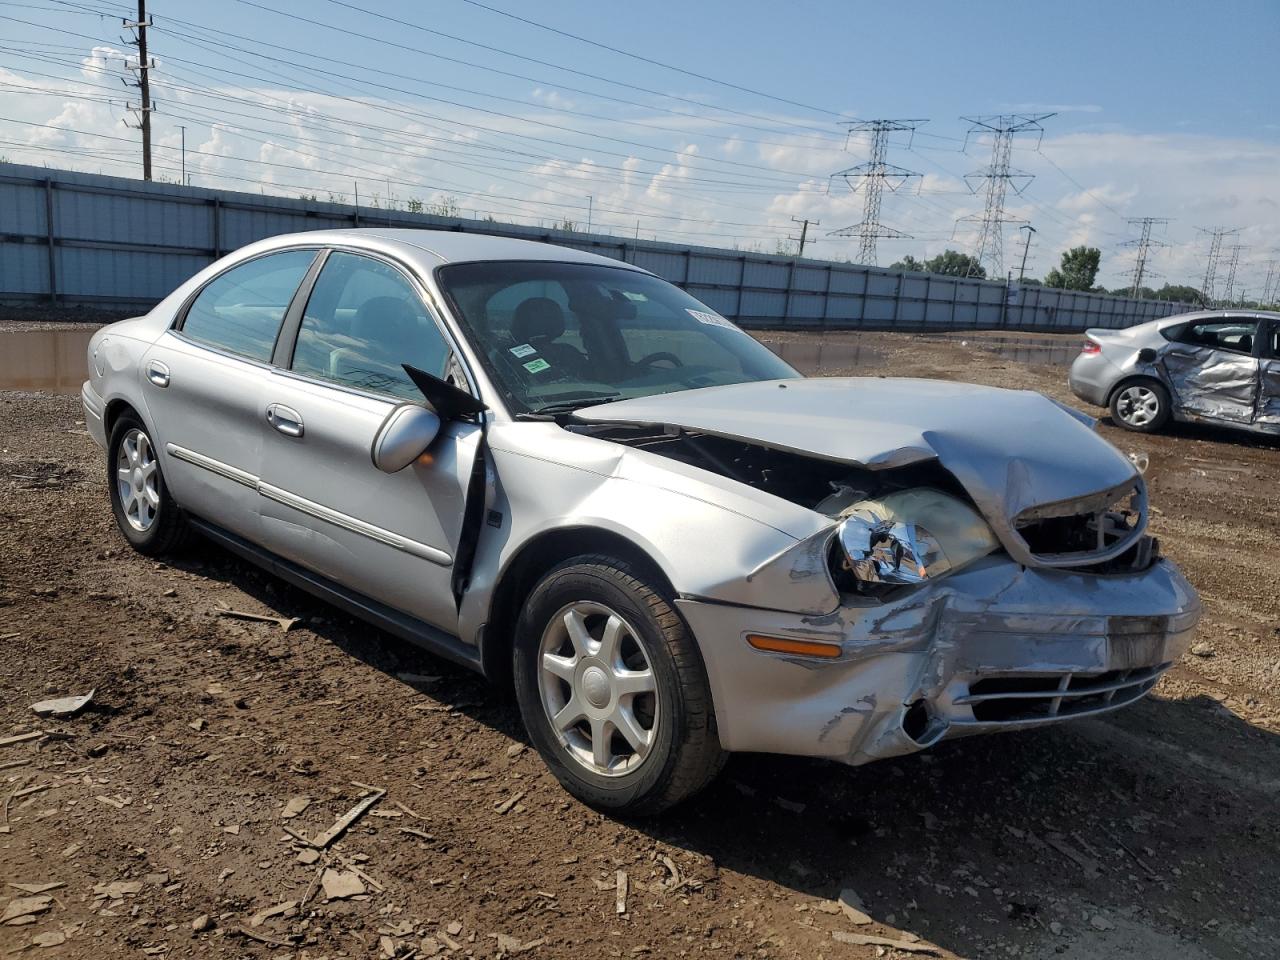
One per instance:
(922, 725)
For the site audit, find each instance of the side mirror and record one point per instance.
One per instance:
(403, 437)
(1146, 355)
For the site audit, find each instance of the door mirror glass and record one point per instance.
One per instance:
(403, 437)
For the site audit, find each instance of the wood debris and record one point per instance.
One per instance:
(867, 940)
(510, 802)
(23, 910)
(284, 623)
(262, 937)
(37, 887)
(622, 886)
(347, 819)
(20, 737)
(340, 884)
(421, 834)
(63, 706)
(1090, 866)
(266, 913)
(117, 801)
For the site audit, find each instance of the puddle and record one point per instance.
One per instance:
(818, 355)
(1045, 350)
(52, 361)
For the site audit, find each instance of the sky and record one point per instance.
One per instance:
(712, 123)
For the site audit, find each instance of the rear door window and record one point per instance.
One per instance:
(364, 320)
(241, 311)
(1234, 336)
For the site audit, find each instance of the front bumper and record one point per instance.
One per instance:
(94, 407)
(994, 647)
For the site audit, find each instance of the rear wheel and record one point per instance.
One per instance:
(1141, 405)
(145, 513)
(612, 689)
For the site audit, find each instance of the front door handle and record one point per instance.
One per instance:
(158, 373)
(285, 419)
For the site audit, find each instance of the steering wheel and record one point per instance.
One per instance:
(653, 358)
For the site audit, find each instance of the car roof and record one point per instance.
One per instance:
(431, 248)
(1225, 313)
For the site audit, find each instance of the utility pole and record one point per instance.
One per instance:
(589, 204)
(873, 177)
(1215, 234)
(1022, 270)
(143, 83)
(185, 182)
(1144, 243)
(804, 232)
(1234, 262)
(998, 177)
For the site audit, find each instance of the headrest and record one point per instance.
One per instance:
(539, 318)
(381, 317)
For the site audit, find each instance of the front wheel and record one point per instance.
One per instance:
(612, 689)
(1142, 405)
(145, 512)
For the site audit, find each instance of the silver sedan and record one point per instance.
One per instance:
(1218, 367)
(567, 474)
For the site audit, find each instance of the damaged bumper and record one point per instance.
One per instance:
(995, 647)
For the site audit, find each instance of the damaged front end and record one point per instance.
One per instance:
(966, 588)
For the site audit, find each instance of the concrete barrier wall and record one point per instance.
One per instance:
(82, 238)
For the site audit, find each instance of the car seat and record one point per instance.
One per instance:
(539, 322)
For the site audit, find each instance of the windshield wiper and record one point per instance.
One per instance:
(568, 403)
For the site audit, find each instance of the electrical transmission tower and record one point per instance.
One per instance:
(873, 178)
(1234, 262)
(998, 177)
(142, 70)
(1216, 234)
(1269, 288)
(1144, 243)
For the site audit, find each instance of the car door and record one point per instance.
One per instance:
(203, 378)
(1269, 376)
(391, 537)
(1212, 368)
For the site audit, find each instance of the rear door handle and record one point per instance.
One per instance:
(158, 373)
(285, 419)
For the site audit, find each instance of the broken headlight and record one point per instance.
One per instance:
(911, 536)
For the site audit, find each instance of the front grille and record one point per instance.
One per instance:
(1016, 699)
(1090, 530)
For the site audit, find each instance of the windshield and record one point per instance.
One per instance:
(555, 336)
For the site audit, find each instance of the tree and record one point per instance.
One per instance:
(1179, 292)
(951, 263)
(1078, 270)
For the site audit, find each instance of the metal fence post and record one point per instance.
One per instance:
(217, 228)
(48, 223)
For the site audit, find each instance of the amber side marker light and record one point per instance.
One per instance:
(803, 648)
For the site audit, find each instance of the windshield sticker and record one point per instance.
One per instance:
(537, 366)
(710, 319)
(523, 350)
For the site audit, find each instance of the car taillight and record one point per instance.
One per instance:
(1090, 347)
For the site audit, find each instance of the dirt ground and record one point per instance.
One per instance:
(160, 811)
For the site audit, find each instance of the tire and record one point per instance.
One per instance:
(146, 514)
(1140, 405)
(664, 747)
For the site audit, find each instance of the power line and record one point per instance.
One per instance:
(874, 176)
(635, 56)
(998, 177)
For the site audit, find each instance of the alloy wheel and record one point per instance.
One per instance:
(136, 480)
(1138, 405)
(598, 688)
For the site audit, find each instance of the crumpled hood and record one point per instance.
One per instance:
(1010, 449)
